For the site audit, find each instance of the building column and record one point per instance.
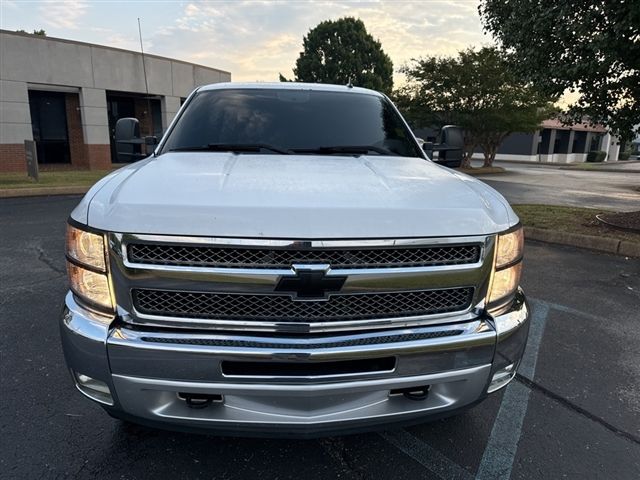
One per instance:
(15, 125)
(77, 147)
(169, 107)
(547, 145)
(535, 140)
(570, 152)
(604, 143)
(552, 145)
(612, 148)
(587, 143)
(95, 128)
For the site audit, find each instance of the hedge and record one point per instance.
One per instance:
(596, 156)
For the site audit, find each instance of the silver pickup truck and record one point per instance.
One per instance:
(289, 261)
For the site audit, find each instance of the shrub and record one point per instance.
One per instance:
(623, 156)
(596, 156)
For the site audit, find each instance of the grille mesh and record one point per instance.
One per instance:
(223, 306)
(226, 257)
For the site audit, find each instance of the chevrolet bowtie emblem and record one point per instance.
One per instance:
(310, 282)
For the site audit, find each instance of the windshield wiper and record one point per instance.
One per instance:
(348, 149)
(232, 147)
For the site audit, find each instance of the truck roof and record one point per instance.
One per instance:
(325, 87)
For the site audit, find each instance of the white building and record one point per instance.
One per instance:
(68, 95)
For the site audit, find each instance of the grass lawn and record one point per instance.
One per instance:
(589, 166)
(570, 219)
(481, 170)
(71, 178)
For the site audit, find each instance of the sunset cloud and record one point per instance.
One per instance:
(254, 40)
(65, 14)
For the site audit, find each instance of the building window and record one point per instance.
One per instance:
(576, 144)
(558, 141)
(49, 125)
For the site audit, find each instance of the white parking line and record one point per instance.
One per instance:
(573, 311)
(500, 451)
(428, 457)
(497, 460)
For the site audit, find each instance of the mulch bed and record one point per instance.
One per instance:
(624, 220)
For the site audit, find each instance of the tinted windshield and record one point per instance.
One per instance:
(298, 121)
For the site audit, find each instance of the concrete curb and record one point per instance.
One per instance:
(603, 166)
(599, 244)
(41, 191)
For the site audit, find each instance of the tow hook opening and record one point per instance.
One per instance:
(200, 400)
(412, 393)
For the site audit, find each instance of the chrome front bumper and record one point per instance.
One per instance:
(145, 370)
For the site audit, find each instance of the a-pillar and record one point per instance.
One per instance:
(95, 128)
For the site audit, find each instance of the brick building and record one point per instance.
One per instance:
(68, 95)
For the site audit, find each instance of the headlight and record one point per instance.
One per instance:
(510, 247)
(86, 248)
(505, 283)
(508, 267)
(86, 266)
(90, 286)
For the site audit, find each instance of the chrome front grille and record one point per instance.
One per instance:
(282, 308)
(344, 258)
(300, 344)
(314, 286)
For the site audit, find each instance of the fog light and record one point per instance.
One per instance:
(502, 377)
(94, 389)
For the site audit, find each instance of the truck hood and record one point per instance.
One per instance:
(293, 196)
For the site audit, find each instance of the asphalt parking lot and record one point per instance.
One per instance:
(553, 185)
(573, 412)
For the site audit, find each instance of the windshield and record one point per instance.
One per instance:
(291, 121)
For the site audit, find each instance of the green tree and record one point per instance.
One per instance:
(591, 47)
(340, 52)
(476, 90)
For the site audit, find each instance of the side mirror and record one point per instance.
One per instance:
(451, 146)
(129, 145)
(453, 136)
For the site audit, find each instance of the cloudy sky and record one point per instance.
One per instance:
(254, 40)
